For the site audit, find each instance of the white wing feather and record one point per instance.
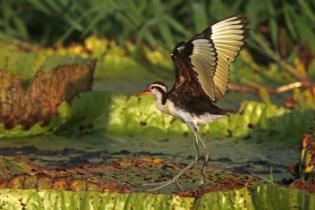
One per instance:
(211, 56)
(228, 38)
(203, 60)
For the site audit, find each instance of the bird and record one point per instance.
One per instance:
(202, 69)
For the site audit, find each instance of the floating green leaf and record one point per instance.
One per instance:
(263, 197)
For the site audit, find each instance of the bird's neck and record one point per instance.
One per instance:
(161, 99)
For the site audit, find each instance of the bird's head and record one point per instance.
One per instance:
(158, 89)
(178, 49)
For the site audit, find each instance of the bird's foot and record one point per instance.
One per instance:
(163, 184)
(160, 185)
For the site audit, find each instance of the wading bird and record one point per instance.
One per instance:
(202, 68)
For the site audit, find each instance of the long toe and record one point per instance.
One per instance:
(171, 181)
(154, 183)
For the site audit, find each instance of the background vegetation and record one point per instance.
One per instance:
(279, 29)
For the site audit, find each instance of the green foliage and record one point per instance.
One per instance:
(53, 199)
(71, 118)
(157, 22)
(263, 197)
(237, 199)
(19, 131)
(139, 116)
(84, 112)
(26, 64)
(273, 197)
(263, 120)
(21, 63)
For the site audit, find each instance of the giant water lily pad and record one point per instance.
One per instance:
(263, 197)
(102, 186)
(123, 175)
(48, 89)
(32, 109)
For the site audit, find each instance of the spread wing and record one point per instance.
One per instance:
(208, 56)
(228, 37)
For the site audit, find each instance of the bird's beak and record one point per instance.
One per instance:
(145, 92)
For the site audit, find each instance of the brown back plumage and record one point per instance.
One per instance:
(203, 63)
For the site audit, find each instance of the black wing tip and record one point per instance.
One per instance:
(242, 17)
(245, 31)
(245, 28)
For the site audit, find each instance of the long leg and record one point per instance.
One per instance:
(191, 165)
(205, 163)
